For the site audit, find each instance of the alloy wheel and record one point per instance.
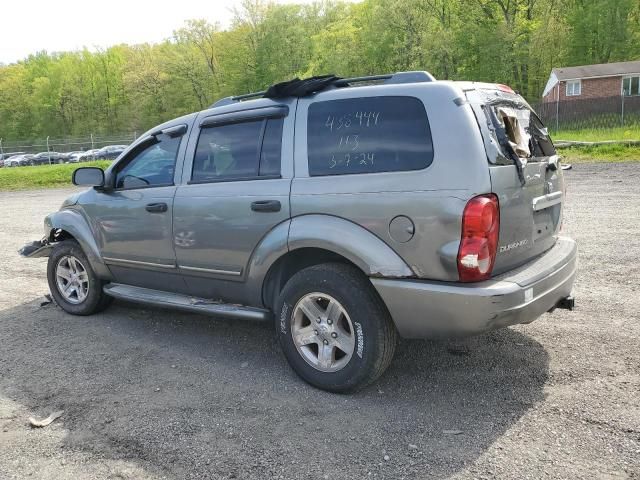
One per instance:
(72, 279)
(322, 332)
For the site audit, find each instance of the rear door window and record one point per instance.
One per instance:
(368, 135)
(238, 151)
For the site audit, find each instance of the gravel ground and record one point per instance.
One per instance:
(153, 394)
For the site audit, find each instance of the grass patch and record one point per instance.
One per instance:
(42, 176)
(598, 135)
(601, 153)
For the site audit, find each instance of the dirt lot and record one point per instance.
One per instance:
(148, 393)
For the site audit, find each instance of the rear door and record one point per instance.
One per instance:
(525, 174)
(236, 185)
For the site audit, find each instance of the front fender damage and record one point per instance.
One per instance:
(36, 249)
(68, 224)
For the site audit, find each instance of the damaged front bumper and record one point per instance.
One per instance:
(37, 248)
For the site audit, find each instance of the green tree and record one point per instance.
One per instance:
(133, 87)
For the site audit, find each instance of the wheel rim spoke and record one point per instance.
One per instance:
(334, 311)
(64, 272)
(325, 355)
(80, 293)
(72, 264)
(305, 336)
(68, 289)
(344, 343)
(310, 309)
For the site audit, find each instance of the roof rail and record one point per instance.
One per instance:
(389, 79)
(237, 98)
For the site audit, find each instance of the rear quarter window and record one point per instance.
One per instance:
(368, 135)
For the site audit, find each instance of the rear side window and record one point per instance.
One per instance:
(238, 151)
(368, 135)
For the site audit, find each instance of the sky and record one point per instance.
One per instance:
(29, 26)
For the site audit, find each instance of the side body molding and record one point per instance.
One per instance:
(373, 256)
(75, 224)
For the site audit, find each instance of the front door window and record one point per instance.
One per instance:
(151, 166)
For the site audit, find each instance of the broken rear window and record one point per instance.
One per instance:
(518, 131)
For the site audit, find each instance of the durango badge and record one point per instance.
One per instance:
(514, 245)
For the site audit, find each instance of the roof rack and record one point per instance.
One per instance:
(389, 79)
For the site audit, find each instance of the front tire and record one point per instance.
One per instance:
(334, 330)
(73, 284)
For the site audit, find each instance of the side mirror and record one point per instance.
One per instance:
(88, 177)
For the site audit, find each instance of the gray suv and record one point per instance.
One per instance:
(346, 211)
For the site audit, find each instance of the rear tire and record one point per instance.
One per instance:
(73, 284)
(349, 342)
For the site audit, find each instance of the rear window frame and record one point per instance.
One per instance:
(483, 99)
(429, 138)
(264, 116)
(533, 158)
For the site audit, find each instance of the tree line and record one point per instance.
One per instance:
(133, 87)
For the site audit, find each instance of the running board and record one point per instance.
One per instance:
(187, 303)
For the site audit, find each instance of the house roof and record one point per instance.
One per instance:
(590, 71)
(600, 70)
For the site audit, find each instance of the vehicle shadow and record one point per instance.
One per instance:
(188, 396)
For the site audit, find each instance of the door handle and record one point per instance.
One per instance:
(266, 206)
(156, 207)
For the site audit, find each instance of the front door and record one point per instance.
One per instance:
(235, 189)
(133, 221)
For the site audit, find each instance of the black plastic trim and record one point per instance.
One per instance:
(278, 111)
(235, 179)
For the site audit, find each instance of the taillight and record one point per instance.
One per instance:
(479, 241)
(505, 88)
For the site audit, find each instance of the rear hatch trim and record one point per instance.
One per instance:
(546, 201)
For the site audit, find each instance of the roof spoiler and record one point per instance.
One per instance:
(388, 79)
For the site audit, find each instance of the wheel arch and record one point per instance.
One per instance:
(71, 225)
(291, 263)
(313, 239)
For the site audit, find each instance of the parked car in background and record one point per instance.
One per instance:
(74, 157)
(19, 160)
(65, 156)
(88, 155)
(6, 156)
(110, 152)
(7, 161)
(413, 208)
(46, 158)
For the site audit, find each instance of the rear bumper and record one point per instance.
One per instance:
(423, 309)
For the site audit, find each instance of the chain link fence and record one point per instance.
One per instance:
(65, 144)
(591, 113)
(574, 114)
